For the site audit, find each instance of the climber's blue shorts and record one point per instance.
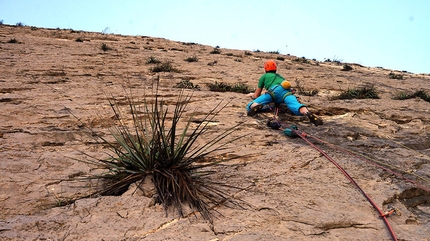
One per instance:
(278, 95)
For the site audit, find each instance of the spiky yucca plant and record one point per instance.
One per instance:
(156, 147)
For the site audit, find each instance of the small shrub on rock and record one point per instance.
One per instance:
(392, 75)
(153, 60)
(164, 67)
(367, 92)
(104, 47)
(192, 59)
(346, 67)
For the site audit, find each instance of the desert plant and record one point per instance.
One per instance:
(346, 67)
(274, 52)
(164, 67)
(153, 60)
(186, 84)
(337, 60)
(402, 96)
(423, 95)
(366, 92)
(19, 24)
(280, 58)
(13, 41)
(104, 47)
(219, 87)
(189, 43)
(1, 22)
(418, 94)
(213, 63)
(392, 75)
(216, 50)
(223, 87)
(241, 88)
(152, 145)
(192, 59)
(300, 89)
(302, 60)
(106, 30)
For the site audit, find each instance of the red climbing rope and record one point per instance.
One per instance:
(373, 163)
(303, 136)
(381, 214)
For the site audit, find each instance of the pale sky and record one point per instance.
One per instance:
(393, 34)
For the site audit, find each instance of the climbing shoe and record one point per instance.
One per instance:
(314, 119)
(253, 111)
(273, 124)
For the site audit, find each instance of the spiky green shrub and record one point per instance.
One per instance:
(392, 75)
(301, 90)
(223, 87)
(164, 67)
(402, 96)
(104, 47)
(418, 94)
(157, 144)
(366, 92)
(153, 60)
(241, 88)
(216, 50)
(189, 43)
(186, 84)
(192, 59)
(219, 87)
(13, 41)
(423, 95)
(213, 63)
(301, 60)
(346, 67)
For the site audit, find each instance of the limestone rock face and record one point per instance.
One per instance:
(55, 83)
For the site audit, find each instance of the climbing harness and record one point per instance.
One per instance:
(272, 93)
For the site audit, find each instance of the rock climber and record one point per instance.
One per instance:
(278, 91)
